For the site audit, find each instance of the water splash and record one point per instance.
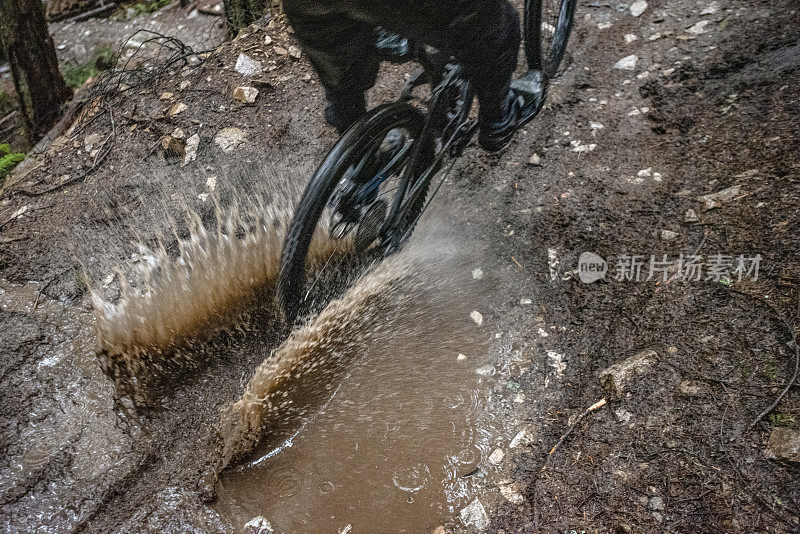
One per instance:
(173, 302)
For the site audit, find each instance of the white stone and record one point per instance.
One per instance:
(638, 7)
(191, 149)
(258, 525)
(267, 40)
(629, 38)
(523, 437)
(211, 183)
(603, 25)
(477, 274)
(525, 302)
(510, 491)
(535, 159)
(691, 216)
(229, 139)
(295, 52)
(710, 9)
(477, 317)
(627, 63)
(245, 94)
(557, 363)
(668, 235)
(474, 515)
(698, 28)
(461, 357)
(247, 66)
(497, 456)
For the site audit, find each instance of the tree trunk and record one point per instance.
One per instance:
(34, 66)
(240, 13)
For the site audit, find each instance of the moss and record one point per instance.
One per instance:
(76, 74)
(8, 160)
(151, 6)
(783, 420)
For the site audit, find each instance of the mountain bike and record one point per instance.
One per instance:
(375, 183)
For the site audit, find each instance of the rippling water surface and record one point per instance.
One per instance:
(402, 443)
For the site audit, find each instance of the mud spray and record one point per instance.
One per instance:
(394, 346)
(171, 303)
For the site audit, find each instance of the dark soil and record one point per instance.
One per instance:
(664, 456)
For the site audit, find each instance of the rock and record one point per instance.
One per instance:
(166, 95)
(525, 302)
(615, 378)
(656, 503)
(184, 84)
(510, 490)
(211, 183)
(267, 40)
(477, 317)
(713, 200)
(245, 94)
(691, 388)
(177, 108)
(690, 216)
(91, 141)
(496, 457)
(629, 38)
(281, 51)
(461, 357)
(623, 415)
(485, 370)
(258, 525)
(698, 28)
(638, 7)
(474, 515)
(229, 139)
(247, 66)
(523, 437)
(604, 25)
(477, 274)
(190, 153)
(295, 52)
(784, 444)
(175, 144)
(710, 9)
(535, 160)
(627, 63)
(557, 363)
(668, 235)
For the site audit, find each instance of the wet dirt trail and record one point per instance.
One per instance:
(409, 440)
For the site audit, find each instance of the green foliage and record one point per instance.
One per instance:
(8, 160)
(150, 6)
(785, 420)
(76, 74)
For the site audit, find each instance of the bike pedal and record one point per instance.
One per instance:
(531, 87)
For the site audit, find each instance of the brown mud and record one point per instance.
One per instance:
(623, 155)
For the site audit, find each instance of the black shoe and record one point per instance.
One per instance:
(495, 135)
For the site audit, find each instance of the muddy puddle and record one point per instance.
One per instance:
(402, 442)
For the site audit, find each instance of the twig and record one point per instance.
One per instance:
(587, 411)
(104, 151)
(793, 333)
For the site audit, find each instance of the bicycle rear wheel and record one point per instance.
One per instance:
(548, 24)
(349, 195)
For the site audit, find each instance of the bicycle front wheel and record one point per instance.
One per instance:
(348, 199)
(548, 24)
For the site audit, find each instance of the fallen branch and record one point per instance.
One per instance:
(792, 329)
(104, 151)
(587, 411)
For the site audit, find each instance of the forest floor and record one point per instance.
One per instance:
(708, 105)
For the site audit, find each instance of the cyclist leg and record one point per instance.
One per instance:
(342, 50)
